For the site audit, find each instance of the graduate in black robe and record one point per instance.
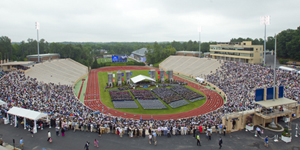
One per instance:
(143, 134)
(138, 132)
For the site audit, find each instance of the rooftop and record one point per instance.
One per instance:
(43, 55)
(276, 102)
(140, 52)
(14, 63)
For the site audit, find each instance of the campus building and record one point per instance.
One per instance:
(43, 57)
(238, 51)
(140, 54)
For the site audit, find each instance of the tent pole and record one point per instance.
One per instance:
(34, 127)
(24, 123)
(15, 121)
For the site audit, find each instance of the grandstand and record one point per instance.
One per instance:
(63, 71)
(190, 66)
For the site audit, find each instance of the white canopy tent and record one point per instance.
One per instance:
(201, 80)
(26, 114)
(2, 103)
(140, 78)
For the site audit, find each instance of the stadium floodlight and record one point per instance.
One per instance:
(265, 20)
(274, 82)
(37, 27)
(199, 30)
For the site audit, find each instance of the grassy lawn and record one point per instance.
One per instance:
(105, 97)
(77, 88)
(103, 60)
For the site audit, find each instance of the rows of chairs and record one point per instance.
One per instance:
(125, 104)
(152, 104)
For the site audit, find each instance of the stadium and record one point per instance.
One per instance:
(65, 92)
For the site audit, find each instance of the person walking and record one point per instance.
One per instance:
(220, 142)
(49, 136)
(21, 143)
(96, 143)
(62, 132)
(57, 130)
(86, 146)
(154, 138)
(150, 138)
(266, 142)
(198, 140)
(121, 131)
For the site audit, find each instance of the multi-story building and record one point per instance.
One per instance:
(238, 51)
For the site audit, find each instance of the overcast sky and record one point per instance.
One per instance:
(145, 20)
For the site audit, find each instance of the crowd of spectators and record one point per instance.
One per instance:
(2, 73)
(186, 93)
(166, 95)
(237, 80)
(120, 96)
(143, 94)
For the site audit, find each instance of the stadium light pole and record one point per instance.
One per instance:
(37, 27)
(265, 20)
(274, 82)
(199, 30)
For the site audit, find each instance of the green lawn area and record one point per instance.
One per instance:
(105, 97)
(103, 60)
(77, 88)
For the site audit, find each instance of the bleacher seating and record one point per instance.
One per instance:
(188, 65)
(63, 71)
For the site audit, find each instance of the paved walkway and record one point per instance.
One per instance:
(240, 140)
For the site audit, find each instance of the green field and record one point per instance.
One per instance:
(105, 97)
(104, 60)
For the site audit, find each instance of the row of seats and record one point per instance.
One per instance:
(125, 104)
(152, 104)
(191, 65)
(59, 71)
(178, 103)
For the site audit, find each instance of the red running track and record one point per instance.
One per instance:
(93, 99)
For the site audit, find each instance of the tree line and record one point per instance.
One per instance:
(288, 47)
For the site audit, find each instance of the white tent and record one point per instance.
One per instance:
(3, 103)
(26, 114)
(139, 78)
(201, 80)
(287, 69)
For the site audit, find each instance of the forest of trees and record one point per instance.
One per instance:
(288, 47)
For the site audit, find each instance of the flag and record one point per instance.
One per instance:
(158, 77)
(113, 80)
(37, 25)
(122, 79)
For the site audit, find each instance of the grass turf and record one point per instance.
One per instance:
(77, 88)
(105, 97)
(104, 60)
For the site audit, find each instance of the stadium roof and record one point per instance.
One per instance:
(188, 52)
(26, 113)
(140, 52)
(16, 63)
(43, 55)
(140, 78)
(276, 102)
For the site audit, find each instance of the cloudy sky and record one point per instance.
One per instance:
(144, 20)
